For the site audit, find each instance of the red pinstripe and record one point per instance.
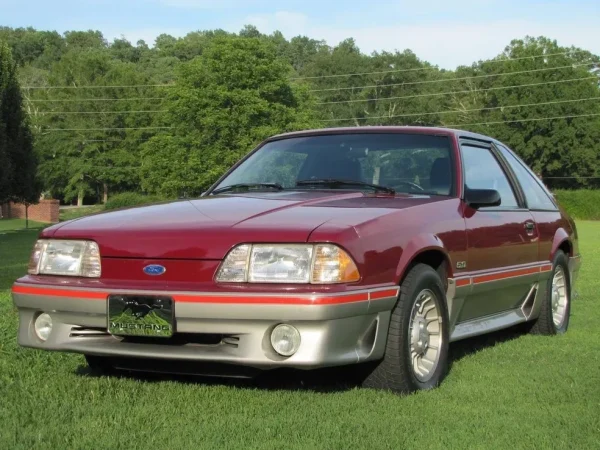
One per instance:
(281, 300)
(384, 294)
(207, 298)
(460, 282)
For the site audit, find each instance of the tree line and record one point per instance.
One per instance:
(168, 119)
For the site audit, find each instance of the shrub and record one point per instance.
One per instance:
(583, 204)
(128, 199)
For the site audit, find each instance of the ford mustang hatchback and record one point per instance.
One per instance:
(368, 248)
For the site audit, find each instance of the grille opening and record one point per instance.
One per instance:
(179, 339)
(88, 332)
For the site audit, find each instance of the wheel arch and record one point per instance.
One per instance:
(562, 242)
(425, 249)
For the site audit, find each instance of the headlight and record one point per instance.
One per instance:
(288, 263)
(65, 257)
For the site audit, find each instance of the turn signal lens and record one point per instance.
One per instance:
(235, 267)
(34, 260)
(333, 265)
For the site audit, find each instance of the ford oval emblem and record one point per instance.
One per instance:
(154, 269)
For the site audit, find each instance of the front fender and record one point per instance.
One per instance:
(416, 246)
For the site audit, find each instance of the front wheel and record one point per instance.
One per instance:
(416, 355)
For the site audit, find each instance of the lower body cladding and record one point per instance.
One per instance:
(208, 329)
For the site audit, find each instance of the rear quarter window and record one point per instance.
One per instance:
(535, 195)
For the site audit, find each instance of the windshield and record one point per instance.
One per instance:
(406, 163)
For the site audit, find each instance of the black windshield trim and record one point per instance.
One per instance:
(335, 182)
(247, 186)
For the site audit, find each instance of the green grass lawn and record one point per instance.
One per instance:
(18, 224)
(75, 213)
(508, 390)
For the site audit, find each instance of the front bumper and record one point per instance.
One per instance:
(336, 329)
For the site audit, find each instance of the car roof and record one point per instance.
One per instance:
(439, 131)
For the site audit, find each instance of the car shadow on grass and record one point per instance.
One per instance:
(328, 380)
(471, 346)
(322, 380)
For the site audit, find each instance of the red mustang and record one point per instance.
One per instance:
(374, 247)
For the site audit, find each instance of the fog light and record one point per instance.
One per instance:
(285, 339)
(43, 326)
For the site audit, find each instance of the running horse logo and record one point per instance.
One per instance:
(141, 310)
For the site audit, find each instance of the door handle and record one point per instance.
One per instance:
(529, 227)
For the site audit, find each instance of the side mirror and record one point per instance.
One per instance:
(478, 198)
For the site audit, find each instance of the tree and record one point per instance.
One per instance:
(212, 83)
(103, 154)
(17, 160)
(568, 147)
(224, 103)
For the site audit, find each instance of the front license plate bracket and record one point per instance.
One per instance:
(141, 315)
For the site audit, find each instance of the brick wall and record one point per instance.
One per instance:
(44, 211)
(4, 210)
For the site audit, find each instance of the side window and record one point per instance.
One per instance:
(483, 171)
(536, 197)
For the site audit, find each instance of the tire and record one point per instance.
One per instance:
(99, 365)
(395, 371)
(545, 324)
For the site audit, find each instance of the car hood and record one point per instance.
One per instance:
(208, 227)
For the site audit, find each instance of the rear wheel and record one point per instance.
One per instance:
(556, 306)
(416, 355)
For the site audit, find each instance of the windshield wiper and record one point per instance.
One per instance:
(247, 186)
(334, 183)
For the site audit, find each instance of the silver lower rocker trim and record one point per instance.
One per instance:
(488, 324)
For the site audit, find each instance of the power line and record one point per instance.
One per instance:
(553, 102)
(419, 69)
(108, 129)
(103, 112)
(97, 99)
(111, 140)
(126, 86)
(337, 75)
(452, 79)
(523, 120)
(466, 91)
(430, 94)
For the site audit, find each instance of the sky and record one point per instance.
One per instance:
(446, 33)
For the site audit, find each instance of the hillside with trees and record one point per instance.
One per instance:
(169, 118)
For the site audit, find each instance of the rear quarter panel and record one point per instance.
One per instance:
(554, 228)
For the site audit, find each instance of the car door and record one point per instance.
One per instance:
(502, 240)
(547, 217)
